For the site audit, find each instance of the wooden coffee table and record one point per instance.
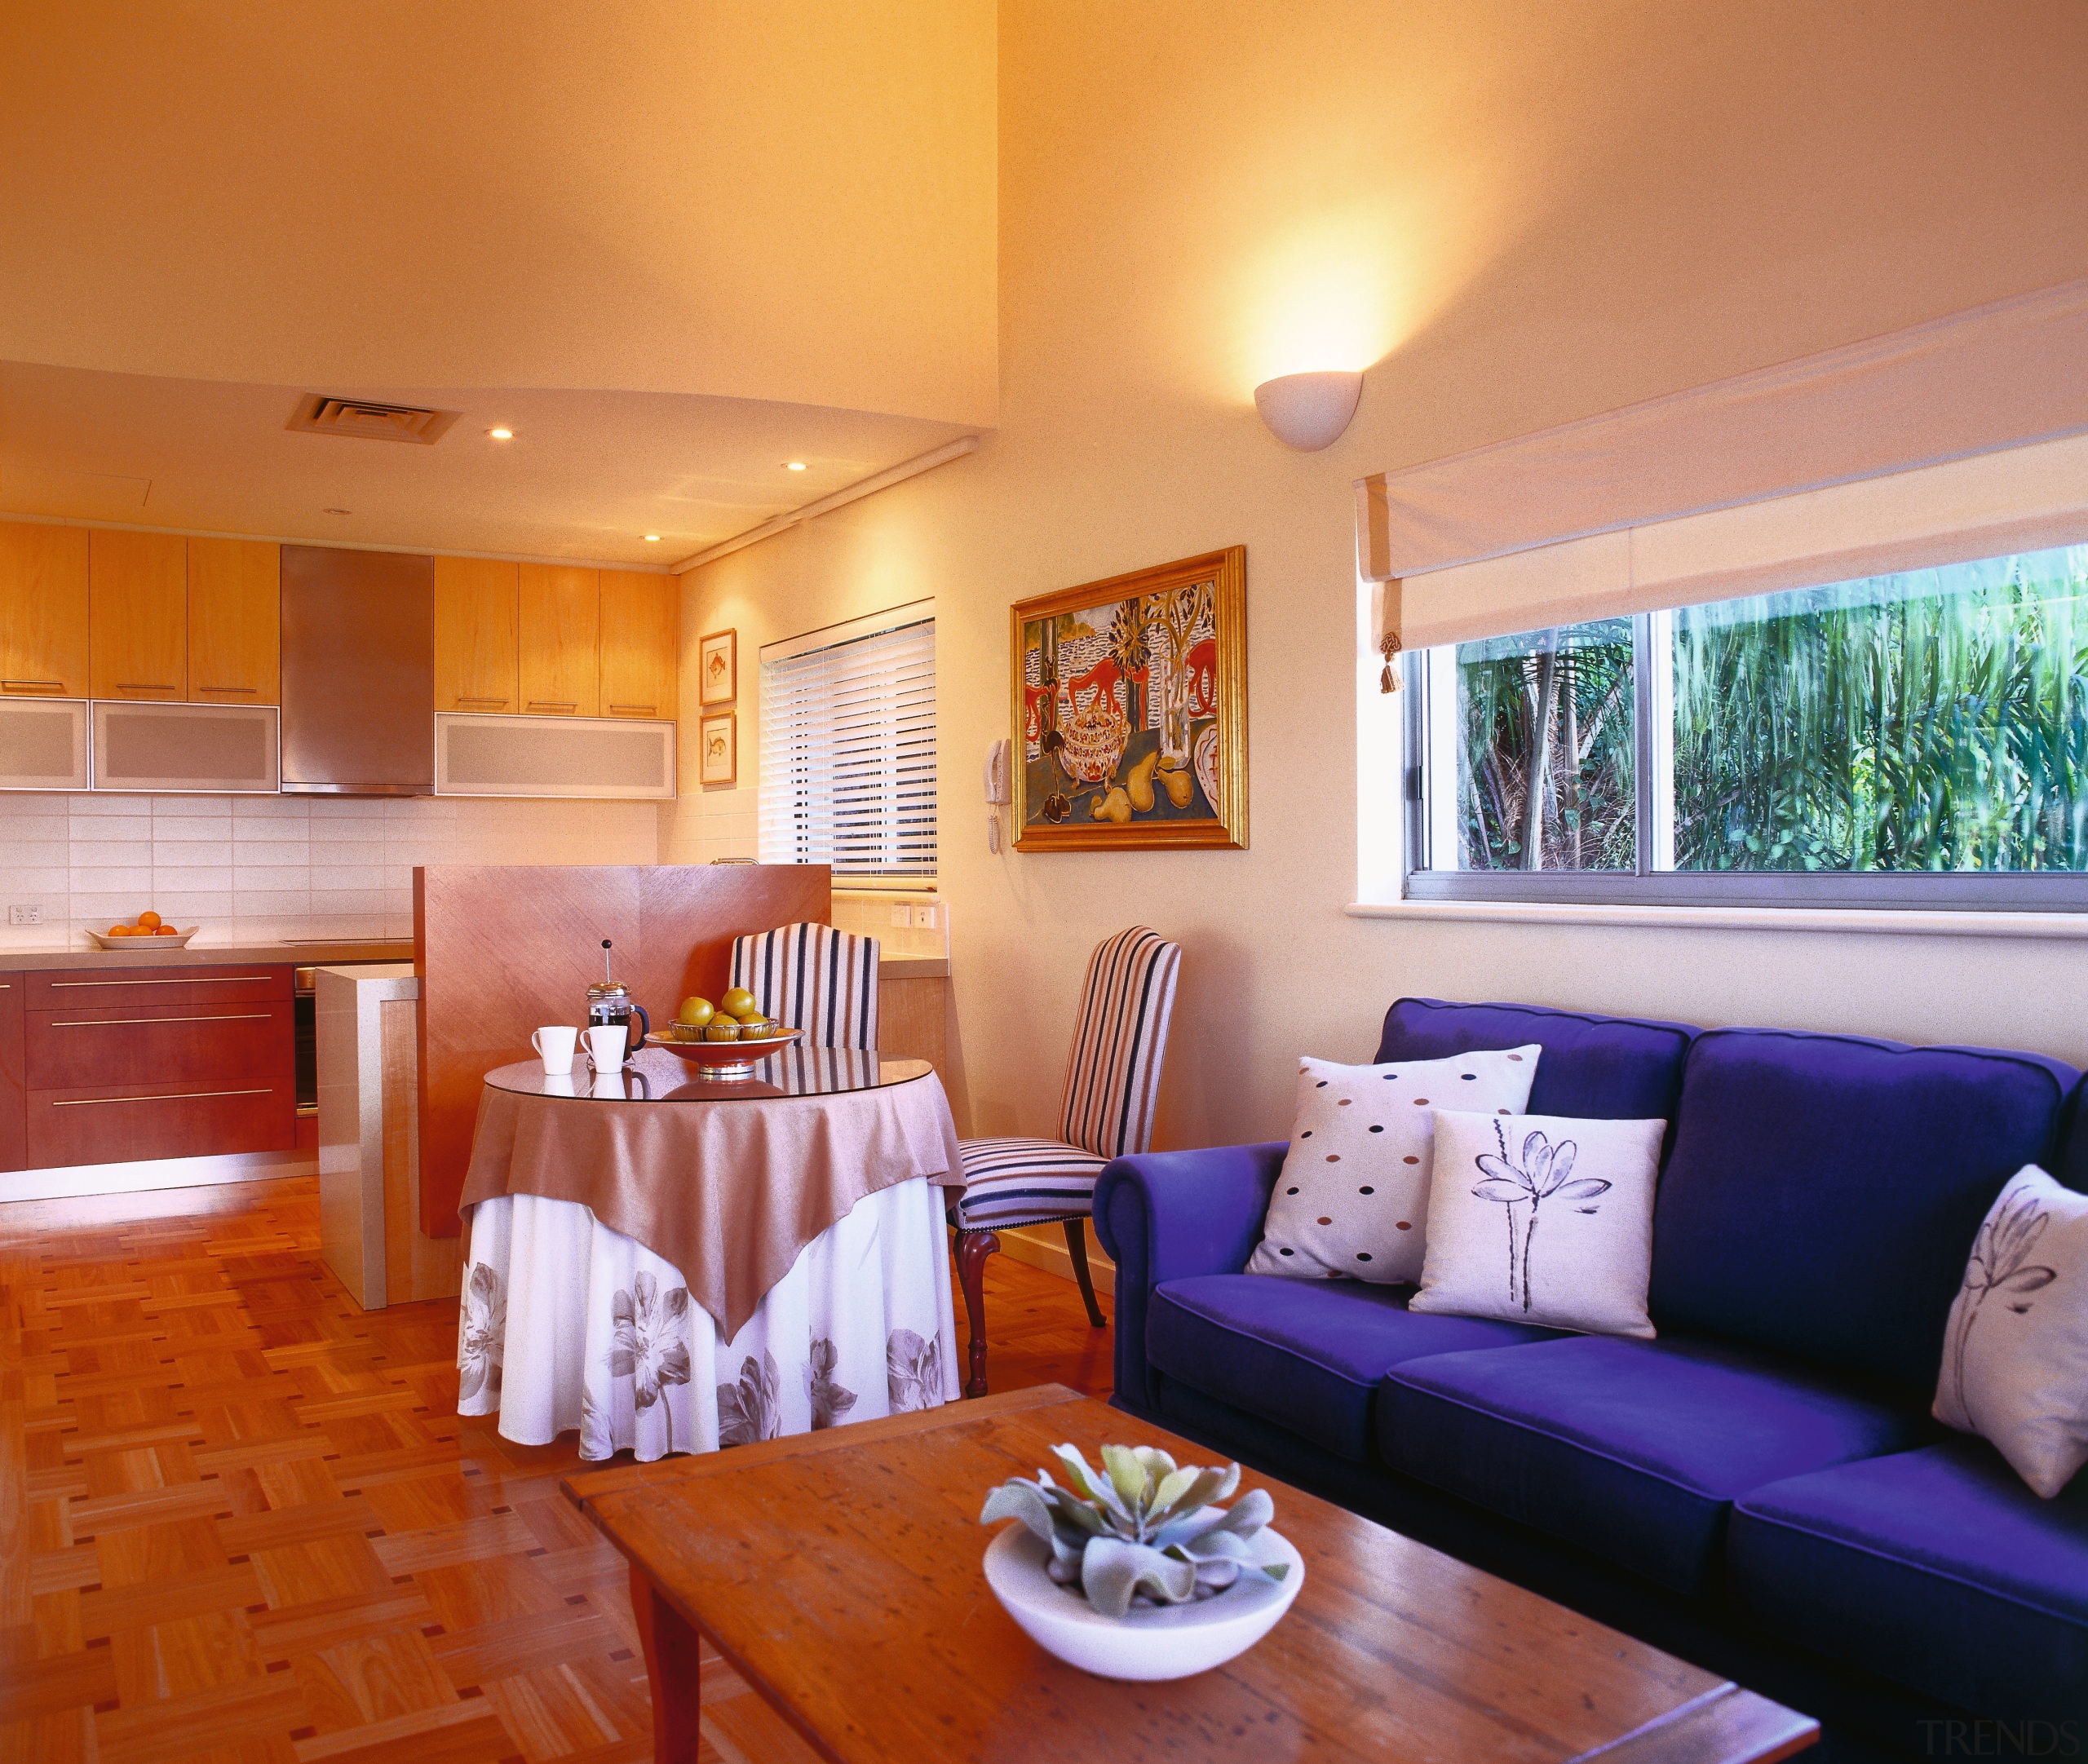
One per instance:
(838, 1573)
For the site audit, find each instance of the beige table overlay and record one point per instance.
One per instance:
(729, 1192)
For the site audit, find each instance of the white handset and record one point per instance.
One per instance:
(998, 790)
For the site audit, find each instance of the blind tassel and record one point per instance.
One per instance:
(1389, 645)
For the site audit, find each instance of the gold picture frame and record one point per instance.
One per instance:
(718, 748)
(1129, 708)
(717, 668)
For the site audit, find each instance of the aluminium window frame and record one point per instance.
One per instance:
(1651, 884)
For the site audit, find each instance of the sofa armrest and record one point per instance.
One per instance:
(1166, 1215)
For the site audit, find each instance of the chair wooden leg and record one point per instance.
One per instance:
(1077, 1247)
(972, 1249)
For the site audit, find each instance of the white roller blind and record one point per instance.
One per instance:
(2024, 499)
(2006, 375)
(848, 748)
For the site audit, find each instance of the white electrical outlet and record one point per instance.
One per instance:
(924, 915)
(902, 916)
(27, 915)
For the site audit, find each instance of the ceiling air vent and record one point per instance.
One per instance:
(318, 414)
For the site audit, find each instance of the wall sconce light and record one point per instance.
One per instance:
(1308, 411)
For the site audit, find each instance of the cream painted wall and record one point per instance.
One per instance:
(730, 197)
(1521, 215)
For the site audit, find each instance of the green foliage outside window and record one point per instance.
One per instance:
(1525, 704)
(1932, 721)
(1936, 721)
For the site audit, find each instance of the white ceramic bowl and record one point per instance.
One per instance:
(1167, 1642)
(179, 940)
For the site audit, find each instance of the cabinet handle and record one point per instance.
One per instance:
(96, 1022)
(463, 699)
(143, 686)
(645, 710)
(33, 686)
(201, 979)
(228, 688)
(164, 1096)
(553, 704)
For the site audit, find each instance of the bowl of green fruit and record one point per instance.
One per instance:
(725, 1039)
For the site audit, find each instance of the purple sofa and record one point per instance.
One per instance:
(1760, 1489)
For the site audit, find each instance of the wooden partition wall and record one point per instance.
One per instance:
(502, 949)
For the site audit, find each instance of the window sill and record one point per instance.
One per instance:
(1858, 922)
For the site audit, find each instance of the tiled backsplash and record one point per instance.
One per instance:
(708, 825)
(262, 868)
(874, 913)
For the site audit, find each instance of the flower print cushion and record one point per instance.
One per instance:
(1352, 1201)
(2015, 1351)
(1541, 1219)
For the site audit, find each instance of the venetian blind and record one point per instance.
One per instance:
(849, 747)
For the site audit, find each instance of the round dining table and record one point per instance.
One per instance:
(666, 1261)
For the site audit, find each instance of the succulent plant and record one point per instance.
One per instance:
(1145, 1533)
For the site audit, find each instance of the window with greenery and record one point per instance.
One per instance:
(1910, 740)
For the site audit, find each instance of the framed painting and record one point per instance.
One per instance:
(717, 744)
(1131, 711)
(717, 668)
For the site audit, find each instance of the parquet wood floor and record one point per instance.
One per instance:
(241, 1522)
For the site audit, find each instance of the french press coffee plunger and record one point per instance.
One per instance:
(610, 1006)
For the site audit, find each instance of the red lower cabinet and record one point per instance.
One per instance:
(14, 1126)
(112, 1126)
(159, 1063)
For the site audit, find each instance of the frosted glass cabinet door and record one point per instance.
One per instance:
(554, 756)
(43, 744)
(215, 748)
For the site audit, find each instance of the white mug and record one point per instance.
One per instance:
(554, 1041)
(605, 1046)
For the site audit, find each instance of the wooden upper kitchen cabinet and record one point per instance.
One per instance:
(43, 610)
(561, 640)
(477, 635)
(234, 615)
(138, 617)
(641, 643)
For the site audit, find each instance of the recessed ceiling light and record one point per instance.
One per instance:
(501, 435)
(794, 465)
(337, 512)
(652, 538)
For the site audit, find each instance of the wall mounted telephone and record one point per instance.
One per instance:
(999, 790)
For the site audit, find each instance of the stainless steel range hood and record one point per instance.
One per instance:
(358, 641)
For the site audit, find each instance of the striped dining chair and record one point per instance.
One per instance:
(1107, 1111)
(814, 978)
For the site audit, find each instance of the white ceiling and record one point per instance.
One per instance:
(671, 244)
(587, 476)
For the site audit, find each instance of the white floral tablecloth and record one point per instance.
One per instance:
(566, 1323)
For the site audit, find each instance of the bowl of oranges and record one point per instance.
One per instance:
(147, 931)
(725, 1038)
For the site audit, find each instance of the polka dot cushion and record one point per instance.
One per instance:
(1352, 1201)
